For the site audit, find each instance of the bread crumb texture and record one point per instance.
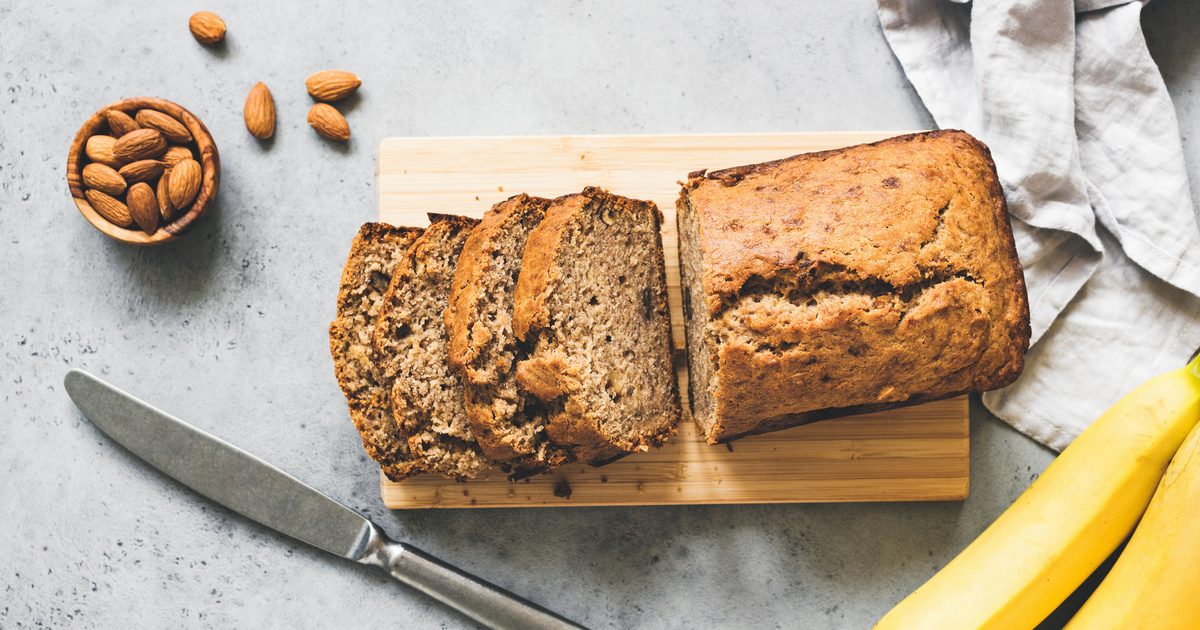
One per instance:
(374, 254)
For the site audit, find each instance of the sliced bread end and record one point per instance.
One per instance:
(374, 255)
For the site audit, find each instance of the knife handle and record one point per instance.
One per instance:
(479, 599)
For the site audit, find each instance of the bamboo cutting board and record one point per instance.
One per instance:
(913, 454)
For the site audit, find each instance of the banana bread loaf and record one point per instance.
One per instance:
(847, 281)
(591, 307)
(374, 254)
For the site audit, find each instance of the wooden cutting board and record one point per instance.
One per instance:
(913, 454)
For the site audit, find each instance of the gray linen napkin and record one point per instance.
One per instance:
(1087, 145)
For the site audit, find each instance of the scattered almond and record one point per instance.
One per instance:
(143, 207)
(171, 129)
(141, 170)
(165, 209)
(259, 112)
(119, 122)
(328, 122)
(139, 144)
(332, 85)
(184, 183)
(106, 206)
(103, 178)
(100, 149)
(208, 28)
(175, 155)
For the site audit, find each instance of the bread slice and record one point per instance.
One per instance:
(482, 345)
(426, 396)
(591, 305)
(374, 254)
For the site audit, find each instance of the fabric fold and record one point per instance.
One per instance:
(1087, 145)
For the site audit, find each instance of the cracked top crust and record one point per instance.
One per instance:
(868, 276)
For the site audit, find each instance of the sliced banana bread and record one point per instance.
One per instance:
(374, 254)
(482, 345)
(591, 305)
(410, 336)
(848, 281)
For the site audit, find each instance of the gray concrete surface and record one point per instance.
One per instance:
(227, 328)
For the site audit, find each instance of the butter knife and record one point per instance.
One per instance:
(259, 491)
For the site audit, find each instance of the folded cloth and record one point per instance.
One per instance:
(1087, 146)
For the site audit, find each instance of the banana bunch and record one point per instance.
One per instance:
(1076, 514)
(1156, 580)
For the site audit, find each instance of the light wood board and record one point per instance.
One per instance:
(912, 454)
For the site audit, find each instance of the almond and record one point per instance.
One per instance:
(259, 112)
(165, 209)
(175, 155)
(100, 149)
(119, 122)
(139, 144)
(103, 178)
(112, 210)
(328, 122)
(171, 129)
(332, 85)
(141, 170)
(208, 28)
(184, 183)
(143, 207)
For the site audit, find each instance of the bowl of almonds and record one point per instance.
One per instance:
(143, 170)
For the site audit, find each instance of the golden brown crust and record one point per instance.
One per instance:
(538, 271)
(546, 377)
(466, 340)
(866, 276)
(373, 254)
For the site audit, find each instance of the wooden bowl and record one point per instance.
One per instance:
(202, 145)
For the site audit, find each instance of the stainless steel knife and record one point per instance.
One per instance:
(252, 487)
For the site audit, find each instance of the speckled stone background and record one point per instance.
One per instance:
(227, 327)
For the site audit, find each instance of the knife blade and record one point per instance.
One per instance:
(257, 490)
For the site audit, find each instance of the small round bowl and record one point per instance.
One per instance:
(202, 145)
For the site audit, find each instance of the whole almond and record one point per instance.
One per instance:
(332, 85)
(143, 207)
(184, 183)
(171, 129)
(106, 206)
(100, 149)
(139, 144)
(103, 178)
(208, 28)
(175, 155)
(165, 209)
(328, 122)
(119, 122)
(259, 112)
(141, 170)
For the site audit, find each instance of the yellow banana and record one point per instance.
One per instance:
(1067, 522)
(1156, 580)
